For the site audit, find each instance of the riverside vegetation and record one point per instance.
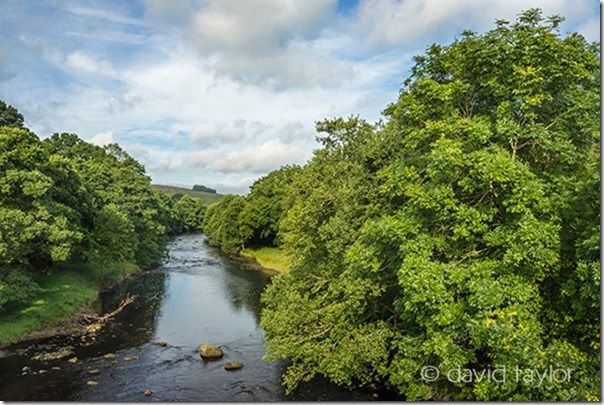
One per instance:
(460, 232)
(74, 217)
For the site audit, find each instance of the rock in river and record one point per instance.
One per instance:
(209, 352)
(148, 393)
(59, 354)
(161, 343)
(232, 365)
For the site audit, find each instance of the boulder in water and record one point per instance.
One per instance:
(209, 352)
(148, 393)
(232, 365)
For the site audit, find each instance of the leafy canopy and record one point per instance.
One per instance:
(463, 232)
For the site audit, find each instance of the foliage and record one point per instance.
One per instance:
(9, 116)
(253, 221)
(16, 288)
(67, 205)
(204, 189)
(221, 224)
(42, 203)
(59, 295)
(462, 233)
(189, 212)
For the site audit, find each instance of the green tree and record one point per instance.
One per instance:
(9, 116)
(189, 212)
(222, 226)
(463, 232)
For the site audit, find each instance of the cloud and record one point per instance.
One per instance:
(268, 43)
(253, 159)
(103, 138)
(384, 24)
(257, 26)
(102, 14)
(84, 63)
(163, 165)
(219, 92)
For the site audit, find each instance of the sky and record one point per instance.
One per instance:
(220, 92)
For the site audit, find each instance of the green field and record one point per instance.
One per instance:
(269, 257)
(206, 198)
(61, 295)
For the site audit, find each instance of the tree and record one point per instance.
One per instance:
(462, 233)
(9, 116)
(189, 211)
(204, 189)
(221, 224)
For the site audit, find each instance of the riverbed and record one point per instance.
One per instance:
(197, 295)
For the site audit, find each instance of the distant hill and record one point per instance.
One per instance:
(206, 198)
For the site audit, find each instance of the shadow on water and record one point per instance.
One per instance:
(196, 296)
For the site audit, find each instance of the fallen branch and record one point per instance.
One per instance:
(102, 319)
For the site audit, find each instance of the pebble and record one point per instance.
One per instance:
(94, 371)
(56, 368)
(110, 356)
(41, 371)
(130, 358)
(148, 393)
(73, 360)
(92, 382)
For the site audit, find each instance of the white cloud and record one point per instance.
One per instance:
(253, 159)
(219, 92)
(162, 165)
(102, 14)
(387, 23)
(103, 138)
(85, 63)
(257, 26)
(268, 42)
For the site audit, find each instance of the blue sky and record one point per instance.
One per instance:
(220, 92)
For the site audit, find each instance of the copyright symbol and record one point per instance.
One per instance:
(430, 373)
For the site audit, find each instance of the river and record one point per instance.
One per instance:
(196, 296)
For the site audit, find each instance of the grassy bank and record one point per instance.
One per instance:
(62, 294)
(269, 257)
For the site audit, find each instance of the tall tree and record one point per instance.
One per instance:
(461, 234)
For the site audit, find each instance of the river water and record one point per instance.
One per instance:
(196, 296)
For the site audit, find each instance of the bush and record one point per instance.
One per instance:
(16, 288)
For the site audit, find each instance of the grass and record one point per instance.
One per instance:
(206, 198)
(269, 257)
(61, 295)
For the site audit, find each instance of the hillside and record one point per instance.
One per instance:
(207, 198)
